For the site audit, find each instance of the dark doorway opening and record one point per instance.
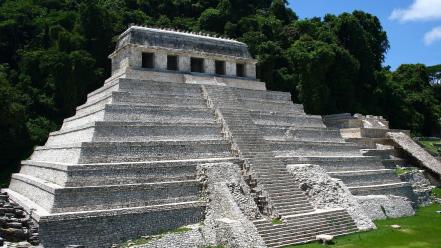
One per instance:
(197, 65)
(240, 70)
(147, 60)
(172, 62)
(220, 67)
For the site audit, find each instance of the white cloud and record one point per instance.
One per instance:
(420, 10)
(432, 36)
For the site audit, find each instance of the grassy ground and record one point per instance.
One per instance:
(437, 192)
(431, 147)
(420, 231)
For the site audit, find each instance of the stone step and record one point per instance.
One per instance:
(295, 194)
(84, 118)
(307, 239)
(393, 163)
(370, 143)
(309, 235)
(104, 152)
(122, 112)
(366, 177)
(288, 121)
(383, 153)
(292, 226)
(305, 133)
(260, 94)
(301, 217)
(378, 132)
(123, 131)
(134, 85)
(133, 112)
(293, 232)
(336, 163)
(149, 98)
(399, 189)
(135, 131)
(77, 175)
(93, 105)
(56, 199)
(310, 229)
(295, 211)
(237, 113)
(75, 134)
(104, 91)
(310, 148)
(283, 204)
(152, 151)
(57, 229)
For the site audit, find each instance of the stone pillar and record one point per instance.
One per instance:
(184, 63)
(209, 66)
(135, 57)
(250, 70)
(230, 68)
(160, 59)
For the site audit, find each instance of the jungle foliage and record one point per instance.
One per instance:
(53, 52)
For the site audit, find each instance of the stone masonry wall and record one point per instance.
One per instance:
(230, 207)
(328, 193)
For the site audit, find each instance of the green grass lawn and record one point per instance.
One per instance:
(420, 231)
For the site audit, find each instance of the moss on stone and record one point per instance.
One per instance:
(276, 221)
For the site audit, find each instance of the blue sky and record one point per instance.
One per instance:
(413, 26)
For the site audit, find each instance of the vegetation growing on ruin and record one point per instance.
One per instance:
(431, 145)
(419, 231)
(53, 52)
(276, 221)
(437, 192)
(402, 170)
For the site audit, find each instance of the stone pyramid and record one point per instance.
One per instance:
(126, 164)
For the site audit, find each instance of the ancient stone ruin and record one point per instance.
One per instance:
(183, 133)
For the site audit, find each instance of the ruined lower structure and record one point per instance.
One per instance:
(398, 150)
(183, 133)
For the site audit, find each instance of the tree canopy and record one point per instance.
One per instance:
(53, 52)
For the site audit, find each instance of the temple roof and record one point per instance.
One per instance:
(161, 38)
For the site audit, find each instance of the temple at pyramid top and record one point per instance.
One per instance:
(146, 49)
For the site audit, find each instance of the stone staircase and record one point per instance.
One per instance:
(126, 161)
(276, 193)
(305, 227)
(297, 138)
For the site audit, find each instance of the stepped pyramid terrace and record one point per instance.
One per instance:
(183, 133)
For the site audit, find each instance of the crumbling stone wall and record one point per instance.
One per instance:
(328, 193)
(230, 207)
